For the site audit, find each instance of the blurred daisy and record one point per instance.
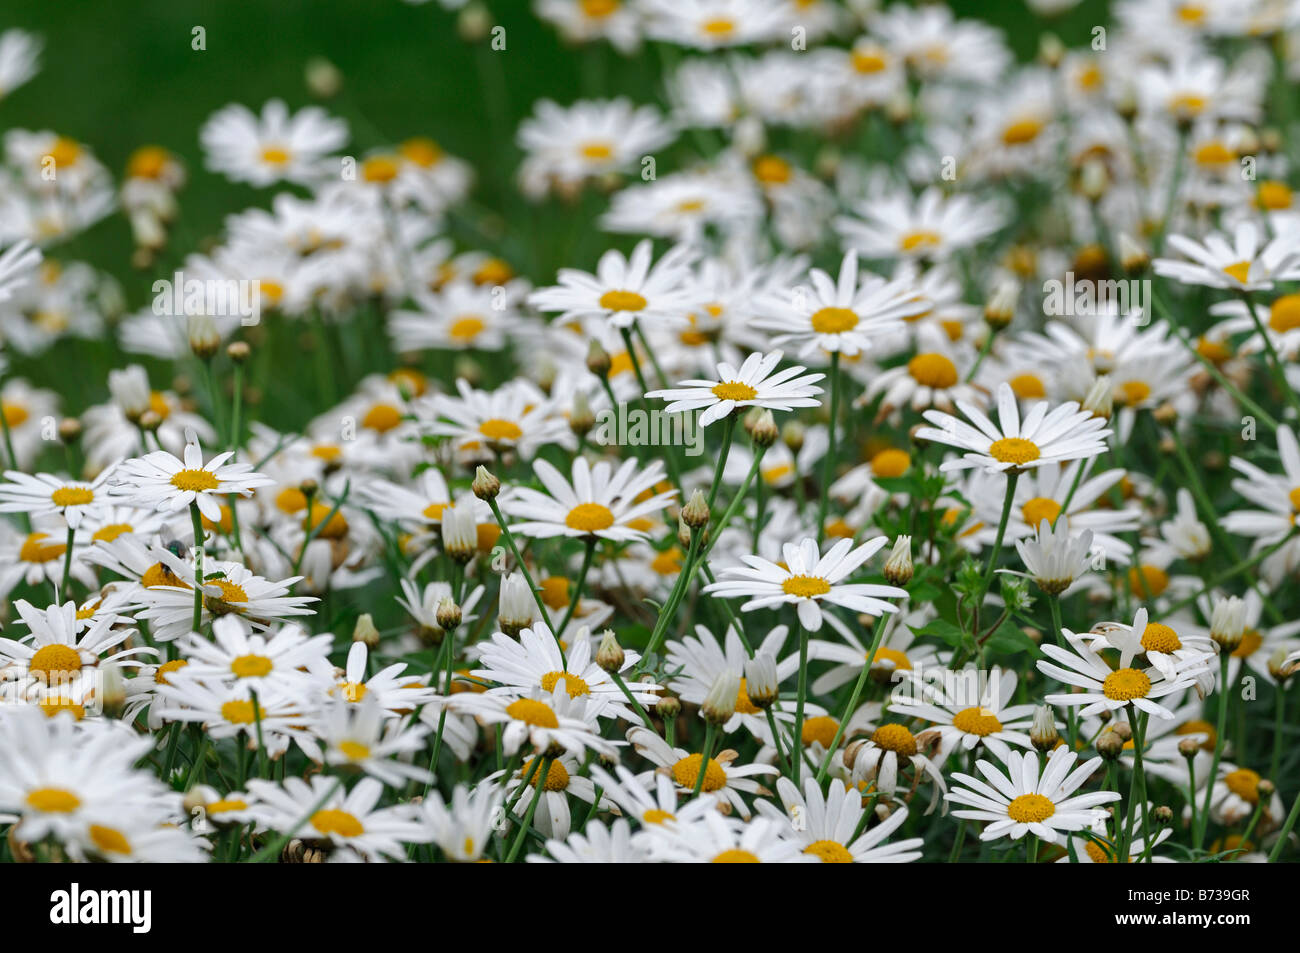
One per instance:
(463, 829)
(271, 148)
(624, 290)
(598, 503)
(20, 54)
(45, 493)
(1240, 265)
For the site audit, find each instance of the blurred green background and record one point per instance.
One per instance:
(117, 75)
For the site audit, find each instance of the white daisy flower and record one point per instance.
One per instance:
(543, 720)
(598, 503)
(1110, 689)
(810, 579)
(163, 482)
(533, 660)
(965, 719)
(596, 844)
(1024, 801)
(1064, 433)
(516, 416)
(363, 738)
(714, 24)
(20, 55)
(344, 818)
(624, 290)
(260, 660)
(724, 782)
(56, 648)
(45, 493)
(1054, 559)
(752, 385)
(715, 839)
(649, 800)
(552, 816)
(463, 829)
(932, 225)
(825, 825)
(1238, 264)
(274, 147)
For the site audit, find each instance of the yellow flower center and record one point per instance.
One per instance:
(834, 320)
(597, 150)
(421, 151)
(354, 750)
(382, 417)
(1244, 783)
(869, 62)
(1132, 393)
(147, 162)
(496, 428)
(109, 839)
(820, 729)
(829, 852)
(1022, 132)
(933, 370)
(166, 668)
(335, 526)
(1126, 684)
(622, 301)
(976, 721)
(1030, 809)
(656, 816)
(1214, 153)
(772, 170)
(159, 575)
(55, 658)
(466, 328)
(111, 532)
(34, 550)
(557, 775)
(719, 26)
(14, 414)
(230, 592)
(226, 804)
(885, 654)
(1284, 315)
(353, 691)
(1160, 638)
(1199, 727)
(921, 239)
(1099, 854)
(72, 496)
(274, 155)
(532, 712)
(1273, 196)
(589, 517)
(1251, 640)
(687, 770)
(53, 800)
(1148, 581)
(895, 738)
(1014, 450)
(1238, 270)
(241, 711)
(1187, 104)
(194, 481)
(805, 587)
(251, 666)
(743, 705)
(890, 463)
(379, 169)
(1041, 508)
(667, 563)
(56, 706)
(337, 822)
(572, 683)
(735, 857)
(1027, 386)
(598, 9)
(734, 390)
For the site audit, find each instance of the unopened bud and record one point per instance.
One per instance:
(323, 78)
(204, 337)
(792, 435)
(1122, 730)
(1043, 733)
(581, 418)
(1100, 399)
(1279, 668)
(69, 430)
(695, 513)
(761, 680)
(474, 23)
(515, 611)
(485, 486)
(1051, 51)
(150, 421)
(898, 567)
(460, 531)
(1001, 306)
(112, 690)
(669, 707)
(1188, 748)
(1228, 623)
(1266, 788)
(720, 703)
(1110, 745)
(683, 533)
(1133, 258)
(598, 361)
(764, 433)
(365, 631)
(610, 655)
(1163, 815)
(1094, 180)
(447, 614)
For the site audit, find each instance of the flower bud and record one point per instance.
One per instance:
(1163, 815)
(130, 390)
(1122, 729)
(1228, 623)
(1099, 401)
(581, 419)
(792, 435)
(1133, 258)
(515, 611)
(447, 614)
(695, 513)
(761, 680)
(460, 531)
(365, 631)
(720, 703)
(898, 567)
(683, 533)
(1043, 733)
(485, 486)
(1093, 180)
(238, 351)
(610, 655)
(1001, 306)
(1109, 745)
(323, 78)
(765, 432)
(669, 707)
(1279, 668)
(69, 430)
(598, 361)
(1188, 748)
(112, 689)
(204, 337)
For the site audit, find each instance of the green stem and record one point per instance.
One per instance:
(797, 739)
(582, 581)
(1224, 658)
(709, 731)
(545, 770)
(877, 638)
(64, 593)
(197, 519)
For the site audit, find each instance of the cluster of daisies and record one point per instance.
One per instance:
(421, 565)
